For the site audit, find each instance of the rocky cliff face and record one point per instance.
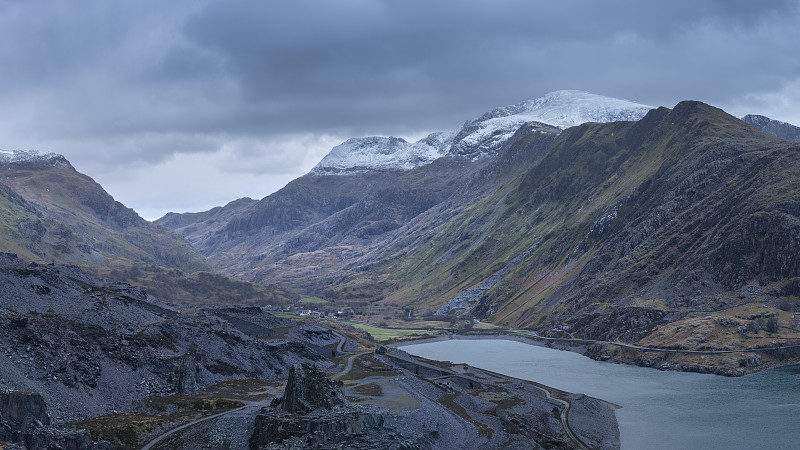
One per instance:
(24, 421)
(22, 411)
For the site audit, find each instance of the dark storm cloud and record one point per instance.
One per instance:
(369, 64)
(153, 91)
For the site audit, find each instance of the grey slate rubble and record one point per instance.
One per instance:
(468, 300)
(313, 413)
(92, 348)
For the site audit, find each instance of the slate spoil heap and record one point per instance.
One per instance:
(313, 413)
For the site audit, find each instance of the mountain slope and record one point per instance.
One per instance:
(615, 231)
(317, 224)
(49, 212)
(320, 222)
(93, 228)
(622, 228)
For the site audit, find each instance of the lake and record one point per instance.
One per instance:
(660, 410)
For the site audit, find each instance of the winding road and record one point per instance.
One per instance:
(348, 365)
(564, 420)
(195, 422)
(342, 341)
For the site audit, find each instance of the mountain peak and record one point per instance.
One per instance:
(563, 109)
(358, 155)
(567, 108)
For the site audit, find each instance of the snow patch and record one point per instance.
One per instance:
(17, 156)
(357, 155)
(561, 109)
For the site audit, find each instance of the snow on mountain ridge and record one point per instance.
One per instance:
(562, 109)
(357, 155)
(21, 156)
(477, 137)
(24, 155)
(569, 108)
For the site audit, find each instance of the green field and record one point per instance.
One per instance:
(286, 315)
(385, 334)
(312, 300)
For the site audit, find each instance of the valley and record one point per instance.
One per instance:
(678, 229)
(88, 364)
(654, 237)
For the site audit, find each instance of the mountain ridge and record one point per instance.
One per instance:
(51, 213)
(478, 137)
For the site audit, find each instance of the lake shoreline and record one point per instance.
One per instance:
(592, 418)
(710, 412)
(557, 345)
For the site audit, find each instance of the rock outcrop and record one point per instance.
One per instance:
(313, 413)
(184, 374)
(24, 422)
(20, 414)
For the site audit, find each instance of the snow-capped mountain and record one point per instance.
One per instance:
(774, 127)
(382, 153)
(562, 109)
(477, 137)
(22, 156)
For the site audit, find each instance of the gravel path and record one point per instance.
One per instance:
(169, 433)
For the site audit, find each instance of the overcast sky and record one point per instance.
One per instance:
(185, 105)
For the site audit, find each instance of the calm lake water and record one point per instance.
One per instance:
(660, 410)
